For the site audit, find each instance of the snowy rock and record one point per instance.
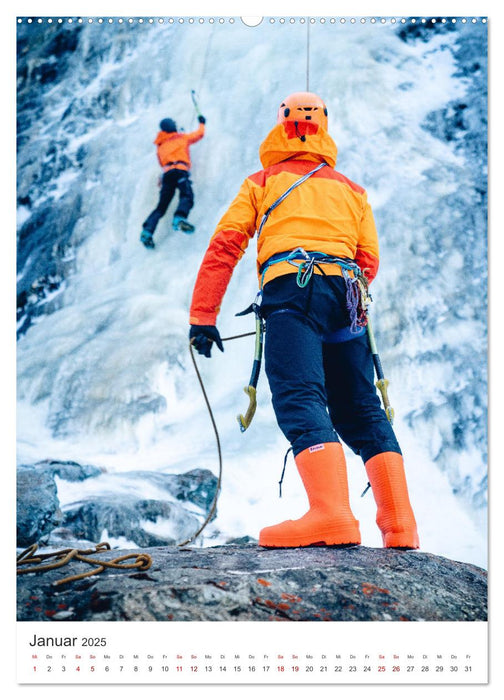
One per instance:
(197, 486)
(130, 517)
(248, 583)
(38, 508)
(116, 513)
(67, 470)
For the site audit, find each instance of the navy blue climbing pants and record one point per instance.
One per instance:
(172, 180)
(321, 376)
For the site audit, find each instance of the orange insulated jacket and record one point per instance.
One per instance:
(173, 148)
(327, 213)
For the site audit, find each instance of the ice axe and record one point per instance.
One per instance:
(195, 103)
(245, 420)
(381, 383)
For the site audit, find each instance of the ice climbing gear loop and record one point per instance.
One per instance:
(29, 563)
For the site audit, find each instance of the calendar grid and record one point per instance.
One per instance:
(174, 653)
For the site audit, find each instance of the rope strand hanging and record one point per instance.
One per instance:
(308, 55)
(217, 439)
(202, 77)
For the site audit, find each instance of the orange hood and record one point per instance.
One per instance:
(284, 141)
(164, 136)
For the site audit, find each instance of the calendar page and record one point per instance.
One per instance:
(252, 349)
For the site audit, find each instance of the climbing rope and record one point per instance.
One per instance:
(308, 55)
(217, 439)
(196, 92)
(30, 563)
(205, 60)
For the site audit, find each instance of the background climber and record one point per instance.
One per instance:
(173, 155)
(315, 230)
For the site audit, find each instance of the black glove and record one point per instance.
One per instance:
(202, 338)
(201, 119)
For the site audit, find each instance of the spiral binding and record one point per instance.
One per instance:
(231, 20)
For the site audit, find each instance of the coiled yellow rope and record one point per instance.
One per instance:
(33, 564)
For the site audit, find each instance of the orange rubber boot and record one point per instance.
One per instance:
(329, 520)
(395, 516)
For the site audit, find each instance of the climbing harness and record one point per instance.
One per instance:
(29, 563)
(286, 194)
(355, 280)
(173, 163)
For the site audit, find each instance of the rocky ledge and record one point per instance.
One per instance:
(245, 582)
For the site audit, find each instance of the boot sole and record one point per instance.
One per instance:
(185, 228)
(400, 540)
(329, 539)
(345, 545)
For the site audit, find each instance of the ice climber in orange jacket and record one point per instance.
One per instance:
(173, 156)
(311, 234)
